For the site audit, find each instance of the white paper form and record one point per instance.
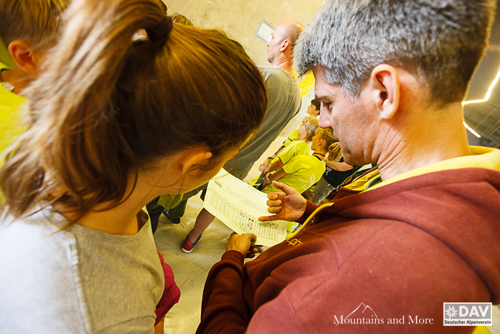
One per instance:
(238, 205)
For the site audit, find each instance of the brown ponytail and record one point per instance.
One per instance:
(107, 106)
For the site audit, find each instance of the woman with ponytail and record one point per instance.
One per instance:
(113, 123)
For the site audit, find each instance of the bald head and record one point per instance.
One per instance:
(291, 31)
(282, 42)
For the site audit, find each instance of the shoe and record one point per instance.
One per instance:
(175, 221)
(187, 246)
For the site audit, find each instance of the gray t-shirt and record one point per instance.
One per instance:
(78, 280)
(283, 103)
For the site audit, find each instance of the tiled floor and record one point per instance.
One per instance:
(190, 270)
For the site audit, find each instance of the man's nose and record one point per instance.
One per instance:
(325, 118)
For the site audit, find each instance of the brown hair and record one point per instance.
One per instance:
(33, 21)
(334, 152)
(316, 103)
(327, 135)
(107, 107)
(310, 125)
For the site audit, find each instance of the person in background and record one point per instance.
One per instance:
(302, 171)
(29, 28)
(335, 173)
(284, 102)
(313, 111)
(429, 233)
(301, 145)
(114, 123)
(314, 108)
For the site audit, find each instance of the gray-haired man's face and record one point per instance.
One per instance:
(353, 122)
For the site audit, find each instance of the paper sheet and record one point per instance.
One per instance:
(238, 205)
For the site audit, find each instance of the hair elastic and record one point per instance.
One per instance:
(159, 34)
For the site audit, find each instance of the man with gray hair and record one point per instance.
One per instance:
(391, 76)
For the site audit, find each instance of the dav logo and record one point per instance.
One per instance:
(467, 314)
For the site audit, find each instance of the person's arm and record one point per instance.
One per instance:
(159, 326)
(265, 164)
(339, 166)
(270, 177)
(223, 308)
(170, 296)
(274, 166)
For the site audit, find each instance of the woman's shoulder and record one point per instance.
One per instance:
(40, 282)
(41, 229)
(37, 242)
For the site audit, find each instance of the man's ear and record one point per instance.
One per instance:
(24, 57)
(284, 45)
(384, 82)
(195, 157)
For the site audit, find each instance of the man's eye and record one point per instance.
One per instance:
(327, 105)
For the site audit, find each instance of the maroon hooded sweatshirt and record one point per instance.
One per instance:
(384, 261)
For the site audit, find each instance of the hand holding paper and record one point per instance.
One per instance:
(288, 205)
(238, 205)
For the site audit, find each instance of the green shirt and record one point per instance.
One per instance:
(5, 56)
(10, 126)
(10, 115)
(302, 172)
(169, 201)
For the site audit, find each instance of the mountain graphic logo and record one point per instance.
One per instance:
(362, 311)
(363, 314)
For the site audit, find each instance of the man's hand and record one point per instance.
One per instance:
(289, 206)
(241, 243)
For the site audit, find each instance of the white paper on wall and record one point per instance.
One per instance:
(264, 31)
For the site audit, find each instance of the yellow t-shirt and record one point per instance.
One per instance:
(297, 147)
(302, 172)
(292, 136)
(10, 126)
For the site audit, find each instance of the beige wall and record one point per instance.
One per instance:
(240, 18)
